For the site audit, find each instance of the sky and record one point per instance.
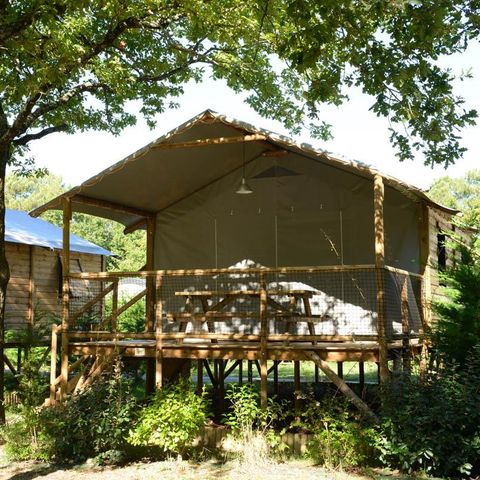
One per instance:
(358, 133)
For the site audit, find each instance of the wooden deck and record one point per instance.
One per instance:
(316, 314)
(194, 349)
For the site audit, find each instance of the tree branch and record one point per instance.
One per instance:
(37, 136)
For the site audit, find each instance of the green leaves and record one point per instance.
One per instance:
(172, 421)
(79, 64)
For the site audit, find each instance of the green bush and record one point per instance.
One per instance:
(252, 437)
(22, 435)
(457, 329)
(172, 421)
(94, 423)
(433, 424)
(340, 438)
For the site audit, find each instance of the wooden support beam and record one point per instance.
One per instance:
(342, 386)
(340, 369)
(150, 303)
(275, 376)
(296, 383)
(240, 372)
(114, 315)
(31, 288)
(263, 343)
(135, 226)
(361, 375)
(250, 371)
(9, 365)
(379, 232)
(232, 367)
(95, 202)
(98, 367)
(200, 377)
(210, 374)
(426, 286)
(91, 303)
(205, 142)
(221, 384)
(67, 217)
(53, 364)
(158, 335)
(406, 354)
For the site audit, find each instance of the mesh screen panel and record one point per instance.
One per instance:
(316, 301)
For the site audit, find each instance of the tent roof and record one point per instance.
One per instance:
(21, 228)
(188, 158)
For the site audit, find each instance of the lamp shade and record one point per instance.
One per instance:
(244, 188)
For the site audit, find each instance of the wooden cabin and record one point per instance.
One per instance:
(258, 249)
(34, 254)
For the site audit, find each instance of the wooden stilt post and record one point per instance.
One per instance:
(361, 375)
(426, 283)
(296, 382)
(19, 359)
(250, 371)
(240, 372)
(158, 333)
(406, 353)
(113, 317)
(275, 377)
(316, 374)
(53, 365)
(379, 231)
(67, 217)
(340, 369)
(31, 290)
(199, 377)
(150, 305)
(263, 343)
(221, 385)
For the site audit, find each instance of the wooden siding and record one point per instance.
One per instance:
(33, 290)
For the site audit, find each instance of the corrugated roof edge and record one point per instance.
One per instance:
(22, 229)
(351, 165)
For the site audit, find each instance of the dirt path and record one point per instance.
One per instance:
(179, 470)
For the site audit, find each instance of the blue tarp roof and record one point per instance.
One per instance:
(20, 227)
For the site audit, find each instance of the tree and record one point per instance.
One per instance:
(77, 65)
(462, 193)
(28, 192)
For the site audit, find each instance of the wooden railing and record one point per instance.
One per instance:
(351, 290)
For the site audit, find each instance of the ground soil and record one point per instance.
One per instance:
(181, 469)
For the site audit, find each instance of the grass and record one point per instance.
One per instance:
(307, 372)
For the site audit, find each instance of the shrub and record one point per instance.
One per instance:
(94, 422)
(22, 435)
(340, 439)
(457, 330)
(253, 438)
(433, 424)
(172, 421)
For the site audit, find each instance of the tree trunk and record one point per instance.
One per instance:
(4, 269)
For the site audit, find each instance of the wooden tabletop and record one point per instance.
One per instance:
(214, 293)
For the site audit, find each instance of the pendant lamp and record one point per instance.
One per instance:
(244, 188)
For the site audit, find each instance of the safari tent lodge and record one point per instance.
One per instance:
(258, 249)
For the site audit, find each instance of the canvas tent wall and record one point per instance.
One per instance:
(301, 213)
(33, 250)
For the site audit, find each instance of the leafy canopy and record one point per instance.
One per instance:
(78, 65)
(462, 193)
